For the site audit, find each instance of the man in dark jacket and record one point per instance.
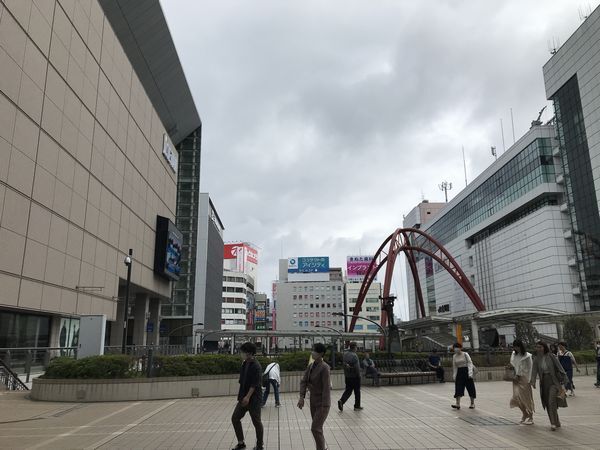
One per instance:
(352, 378)
(249, 397)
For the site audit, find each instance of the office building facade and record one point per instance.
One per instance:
(509, 230)
(238, 295)
(87, 137)
(572, 80)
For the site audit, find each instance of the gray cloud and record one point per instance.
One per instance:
(325, 122)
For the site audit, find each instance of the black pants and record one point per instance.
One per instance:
(352, 384)
(462, 381)
(236, 419)
(439, 371)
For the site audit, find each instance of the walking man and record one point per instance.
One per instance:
(249, 397)
(316, 380)
(352, 378)
(273, 378)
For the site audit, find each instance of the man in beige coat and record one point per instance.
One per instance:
(316, 380)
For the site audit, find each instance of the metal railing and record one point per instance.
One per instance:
(10, 379)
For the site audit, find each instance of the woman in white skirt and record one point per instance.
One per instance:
(522, 398)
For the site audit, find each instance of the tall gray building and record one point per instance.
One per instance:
(572, 78)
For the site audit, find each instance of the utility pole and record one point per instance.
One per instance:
(445, 186)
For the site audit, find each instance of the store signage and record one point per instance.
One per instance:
(170, 153)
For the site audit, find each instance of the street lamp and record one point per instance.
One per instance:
(383, 330)
(334, 346)
(128, 262)
(183, 326)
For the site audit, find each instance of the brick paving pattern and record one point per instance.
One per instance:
(394, 418)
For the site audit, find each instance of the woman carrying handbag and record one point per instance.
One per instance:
(552, 377)
(463, 371)
(522, 363)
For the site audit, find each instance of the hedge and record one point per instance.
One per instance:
(124, 366)
(93, 367)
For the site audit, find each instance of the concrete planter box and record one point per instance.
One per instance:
(192, 387)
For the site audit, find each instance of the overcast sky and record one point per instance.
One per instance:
(324, 122)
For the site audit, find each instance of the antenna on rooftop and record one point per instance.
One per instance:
(554, 46)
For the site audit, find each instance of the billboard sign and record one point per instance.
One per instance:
(170, 153)
(240, 256)
(357, 267)
(312, 264)
(167, 249)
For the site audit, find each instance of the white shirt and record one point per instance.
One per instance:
(522, 364)
(274, 372)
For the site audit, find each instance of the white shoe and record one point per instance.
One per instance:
(528, 421)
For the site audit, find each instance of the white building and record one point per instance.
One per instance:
(356, 269)
(238, 292)
(572, 79)
(510, 233)
(307, 300)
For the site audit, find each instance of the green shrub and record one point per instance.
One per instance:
(585, 356)
(93, 367)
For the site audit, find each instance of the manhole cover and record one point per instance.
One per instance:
(488, 421)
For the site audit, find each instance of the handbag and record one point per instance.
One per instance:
(509, 374)
(561, 398)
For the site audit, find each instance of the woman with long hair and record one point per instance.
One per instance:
(462, 371)
(552, 377)
(522, 398)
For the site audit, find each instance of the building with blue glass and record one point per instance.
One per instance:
(510, 231)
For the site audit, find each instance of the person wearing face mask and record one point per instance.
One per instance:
(597, 383)
(316, 380)
(462, 371)
(552, 377)
(249, 397)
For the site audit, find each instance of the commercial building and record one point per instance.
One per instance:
(92, 102)
(572, 79)
(510, 233)
(238, 294)
(356, 268)
(261, 303)
(423, 213)
(197, 294)
(308, 293)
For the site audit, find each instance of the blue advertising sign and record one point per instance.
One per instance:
(311, 264)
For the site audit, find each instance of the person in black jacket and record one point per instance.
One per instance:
(249, 397)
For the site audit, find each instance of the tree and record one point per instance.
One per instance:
(577, 333)
(527, 333)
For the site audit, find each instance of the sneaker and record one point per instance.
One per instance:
(239, 447)
(277, 405)
(455, 406)
(553, 428)
(597, 385)
(528, 421)
(340, 405)
(358, 408)
(258, 447)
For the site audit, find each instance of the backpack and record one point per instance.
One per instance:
(265, 377)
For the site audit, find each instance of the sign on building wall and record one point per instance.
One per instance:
(168, 244)
(357, 267)
(170, 153)
(240, 257)
(311, 264)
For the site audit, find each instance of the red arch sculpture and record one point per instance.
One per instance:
(409, 241)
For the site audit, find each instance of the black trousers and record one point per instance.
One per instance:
(236, 419)
(463, 381)
(439, 371)
(352, 385)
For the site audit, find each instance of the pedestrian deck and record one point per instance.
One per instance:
(394, 417)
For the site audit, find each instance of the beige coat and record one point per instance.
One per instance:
(316, 380)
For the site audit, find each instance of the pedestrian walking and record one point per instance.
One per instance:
(316, 380)
(370, 368)
(249, 397)
(271, 377)
(567, 361)
(597, 383)
(352, 378)
(552, 376)
(463, 372)
(435, 362)
(522, 398)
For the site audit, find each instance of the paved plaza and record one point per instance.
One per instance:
(394, 417)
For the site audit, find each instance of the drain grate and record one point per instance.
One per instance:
(485, 421)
